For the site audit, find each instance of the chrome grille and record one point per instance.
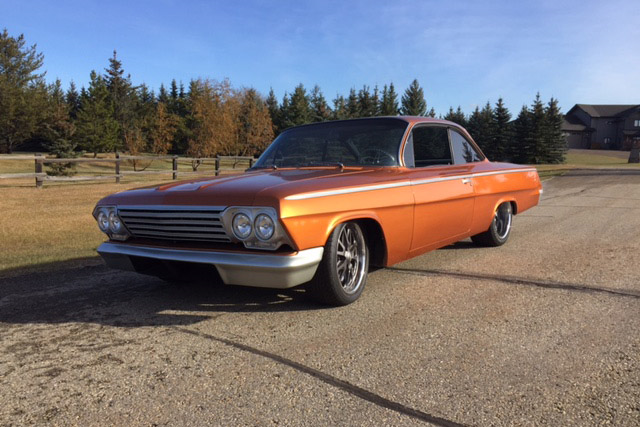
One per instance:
(202, 223)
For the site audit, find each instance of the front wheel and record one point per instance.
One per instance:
(498, 232)
(342, 274)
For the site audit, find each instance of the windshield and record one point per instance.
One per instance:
(364, 142)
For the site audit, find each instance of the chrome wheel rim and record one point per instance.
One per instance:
(350, 258)
(502, 220)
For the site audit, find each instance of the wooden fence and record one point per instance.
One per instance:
(41, 176)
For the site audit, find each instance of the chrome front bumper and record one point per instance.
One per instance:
(259, 269)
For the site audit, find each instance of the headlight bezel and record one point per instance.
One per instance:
(255, 241)
(116, 230)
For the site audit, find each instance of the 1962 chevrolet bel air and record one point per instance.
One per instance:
(323, 203)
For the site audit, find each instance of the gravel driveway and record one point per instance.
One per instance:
(543, 330)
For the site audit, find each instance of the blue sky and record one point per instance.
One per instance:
(462, 52)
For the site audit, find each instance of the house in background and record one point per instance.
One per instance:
(604, 127)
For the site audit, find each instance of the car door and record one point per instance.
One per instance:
(442, 188)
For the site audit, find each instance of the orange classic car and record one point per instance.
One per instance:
(321, 205)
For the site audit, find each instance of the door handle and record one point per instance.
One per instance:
(466, 181)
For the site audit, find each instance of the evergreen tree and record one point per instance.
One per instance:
(538, 151)
(413, 103)
(339, 108)
(375, 99)
(59, 130)
(174, 91)
(97, 130)
(474, 125)
(456, 116)
(431, 113)
(481, 128)
(320, 109)
(144, 112)
(163, 96)
(284, 121)
(299, 110)
(274, 111)
(367, 107)
(352, 106)
(389, 103)
(122, 96)
(503, 132)
(487, 131)
(186, 118)
(22, 91)
(72, 98)
(520, 147)
(554, 139)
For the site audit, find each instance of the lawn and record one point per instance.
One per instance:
(8, 166)
(50, 224)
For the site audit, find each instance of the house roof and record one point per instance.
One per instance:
(572, 127)
(573, 124)
(605, 110)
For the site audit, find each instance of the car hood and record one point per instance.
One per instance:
(262, 187)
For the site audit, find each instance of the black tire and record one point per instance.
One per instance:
(342, 274)
(500, 228)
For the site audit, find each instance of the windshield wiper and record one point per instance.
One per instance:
(337, 164)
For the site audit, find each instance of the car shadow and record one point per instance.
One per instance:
(464, 244)
(94, 294)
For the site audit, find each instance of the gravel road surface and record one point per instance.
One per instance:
(542, 331)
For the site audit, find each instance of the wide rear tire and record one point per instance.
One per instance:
(342, 274)
(500, 229)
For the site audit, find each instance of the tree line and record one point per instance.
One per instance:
(211, 117)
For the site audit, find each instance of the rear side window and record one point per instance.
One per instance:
(463, 151)
(429, 145)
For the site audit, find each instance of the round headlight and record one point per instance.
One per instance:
(241, 226)
(103, 221)
(115, 225)
(264, 226)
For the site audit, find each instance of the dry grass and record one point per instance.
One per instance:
(107, 168)
(50, 224)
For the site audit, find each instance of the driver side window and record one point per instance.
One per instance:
(428, 146)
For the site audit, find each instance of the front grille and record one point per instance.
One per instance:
(174, 222)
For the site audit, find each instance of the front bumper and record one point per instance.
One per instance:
(246, 269)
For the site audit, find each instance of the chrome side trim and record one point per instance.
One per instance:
(304, 196)
(247, 269)
(501, 172)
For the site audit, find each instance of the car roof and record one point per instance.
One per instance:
(409, 119)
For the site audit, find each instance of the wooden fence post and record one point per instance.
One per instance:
(118, 167)
(174, 167)
(38, 170)
(217, 165)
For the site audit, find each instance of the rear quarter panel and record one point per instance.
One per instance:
(503, 182)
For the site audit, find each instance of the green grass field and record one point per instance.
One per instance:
(54, 223)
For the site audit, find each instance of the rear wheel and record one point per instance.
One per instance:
(342, 274)
(500, 229)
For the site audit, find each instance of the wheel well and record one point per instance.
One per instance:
(514, 207)
(375, 241)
